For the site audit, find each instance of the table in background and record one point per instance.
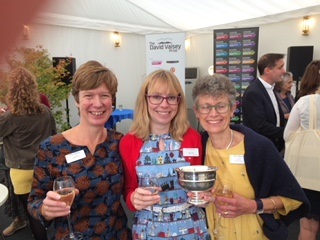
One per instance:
(3, 194)
(117, 116)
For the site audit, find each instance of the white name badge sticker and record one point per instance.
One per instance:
(237, 159)
(75, 156)
(190, 152)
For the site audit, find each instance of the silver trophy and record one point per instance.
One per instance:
(197, 179)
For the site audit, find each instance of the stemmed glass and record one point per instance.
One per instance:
(151, 184)
(65, 187)
(223, 190)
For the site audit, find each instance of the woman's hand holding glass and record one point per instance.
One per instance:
(65, 187)
(223, 192)
(52, 207)
(144, 197)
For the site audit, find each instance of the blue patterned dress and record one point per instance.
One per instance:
(186, 224)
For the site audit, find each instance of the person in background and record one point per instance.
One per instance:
(97, 171)
(13, 207)
(26, 123)
(310, 80)
(260, 107)
(263, 204)
(300, 118)
(283, 92)
(160, 140)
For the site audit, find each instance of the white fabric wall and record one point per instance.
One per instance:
(128, 61)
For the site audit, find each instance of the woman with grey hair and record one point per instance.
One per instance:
(283, 93)
(262, 204)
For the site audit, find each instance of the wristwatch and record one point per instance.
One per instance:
(259, 206)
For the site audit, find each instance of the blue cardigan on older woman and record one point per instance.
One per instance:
(270, 176)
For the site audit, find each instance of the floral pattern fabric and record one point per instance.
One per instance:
(96, 211)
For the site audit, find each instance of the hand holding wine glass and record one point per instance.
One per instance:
(150, 184)
(65, 187)
(223, 190)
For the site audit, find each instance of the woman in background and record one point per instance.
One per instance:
(310, 80)
(23, 127)
(283, 92)
(300, 118)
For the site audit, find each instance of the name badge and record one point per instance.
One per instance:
(75, 156)
(190, 152)
(237, 159)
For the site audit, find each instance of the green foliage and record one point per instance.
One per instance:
(38, 61)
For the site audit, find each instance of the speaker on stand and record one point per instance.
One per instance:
(71, 68)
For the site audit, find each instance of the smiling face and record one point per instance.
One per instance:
(214, 122)
(95, 106)
(161, 114)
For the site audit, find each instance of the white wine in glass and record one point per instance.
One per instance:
(151, 184)
(223, 190)
(65, 187)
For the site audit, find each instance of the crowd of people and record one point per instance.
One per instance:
(105, 164)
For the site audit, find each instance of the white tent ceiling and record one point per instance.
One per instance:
(190, 16)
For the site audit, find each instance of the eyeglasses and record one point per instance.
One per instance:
(220, 108)
(158, 99)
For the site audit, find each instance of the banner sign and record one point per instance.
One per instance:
(166, 51)
(235, 55)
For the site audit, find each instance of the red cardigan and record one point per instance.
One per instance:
(130, 147)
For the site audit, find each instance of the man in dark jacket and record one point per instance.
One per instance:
(261, 109)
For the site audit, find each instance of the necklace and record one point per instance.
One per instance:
(231, 140)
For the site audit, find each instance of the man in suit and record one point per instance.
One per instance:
(261, 109)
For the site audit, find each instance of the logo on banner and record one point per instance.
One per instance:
(165, 44)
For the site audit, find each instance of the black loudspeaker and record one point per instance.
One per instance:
(297, 60)
(71, 67)
(191, 73)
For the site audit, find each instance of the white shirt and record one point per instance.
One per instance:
(300, 114)
(269, 89)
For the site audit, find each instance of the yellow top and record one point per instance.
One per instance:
(248, 226)
(21, 180)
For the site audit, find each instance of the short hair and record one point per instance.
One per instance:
(216, 85)
(268, 60)
(91, 75)
(157, 81)
(310, 80)
(23, 96)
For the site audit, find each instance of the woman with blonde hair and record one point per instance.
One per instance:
(159, 141)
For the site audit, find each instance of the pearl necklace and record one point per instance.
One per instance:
(231, 140)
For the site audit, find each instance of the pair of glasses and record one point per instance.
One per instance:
(158, 99)
(220, 108)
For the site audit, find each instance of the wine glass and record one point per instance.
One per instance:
(151, 184)
(223, 190)
(65, 187)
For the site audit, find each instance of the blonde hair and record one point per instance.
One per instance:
(157, 81)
